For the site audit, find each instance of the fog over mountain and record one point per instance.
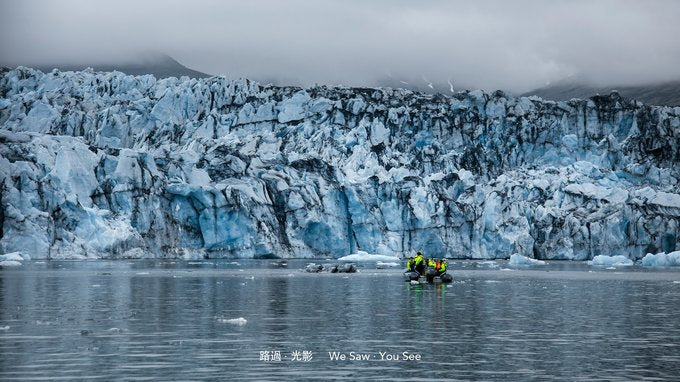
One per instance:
(516, 46)
(664, 93)
(158, 64)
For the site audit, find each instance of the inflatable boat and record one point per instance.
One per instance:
(430, 277)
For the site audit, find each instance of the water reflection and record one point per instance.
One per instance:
(179, 320)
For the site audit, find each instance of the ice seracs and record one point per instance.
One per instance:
(110, 165)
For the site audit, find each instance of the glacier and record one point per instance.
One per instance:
(107, 165)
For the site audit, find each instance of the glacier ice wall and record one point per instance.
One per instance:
(110, 165)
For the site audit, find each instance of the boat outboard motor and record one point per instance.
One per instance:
(430, 273)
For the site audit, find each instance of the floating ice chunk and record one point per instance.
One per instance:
(365, 256)
(313, 267)
(14, 256)
(114, 330)
(381, 264)
(234, 321)
(4, 328)
(609, 261)
(9, 263)
(662, 259)
(519, 260)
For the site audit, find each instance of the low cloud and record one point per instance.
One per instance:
(512, 45)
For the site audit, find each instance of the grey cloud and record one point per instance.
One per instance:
(513, 45)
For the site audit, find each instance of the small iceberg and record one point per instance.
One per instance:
(14, 256)
(381, 265)
(611, 261)
(365, 256)
(13, 259)
(661, 260)
(518, 260)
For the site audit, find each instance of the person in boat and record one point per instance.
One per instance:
(419, 263)
(432, 263)
(441, 267)
(410, 265)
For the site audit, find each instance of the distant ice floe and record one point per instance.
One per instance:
(662, 260)
(332, 268)
(489, 263)
(611, 261)
(365, 256)
(381, 264)
(519, 260)
(233, 321)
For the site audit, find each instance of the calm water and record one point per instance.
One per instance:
(174, 320)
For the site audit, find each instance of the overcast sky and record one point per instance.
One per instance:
(512, 45)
